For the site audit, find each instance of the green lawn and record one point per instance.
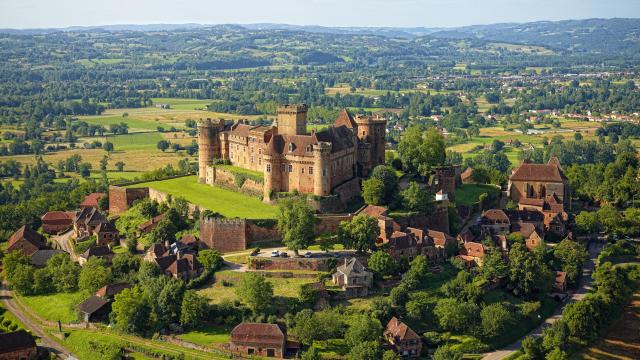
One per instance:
(54, 307)
(226, 202)
(207, 335)
(134, 124)
(284, 288)
(332, 348)
(240, 170)
(468, 194)
(135, 141)
(183, 104)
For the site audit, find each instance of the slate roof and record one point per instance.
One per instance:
(92, 304)
(40, 257)
(351, 266)
(17, 340)
(258, 333)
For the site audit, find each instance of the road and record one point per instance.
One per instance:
(586, 283)
(65, 242)
(6, 296)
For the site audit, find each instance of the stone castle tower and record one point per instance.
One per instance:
(208, 145)
(371, 131)
(292, 119)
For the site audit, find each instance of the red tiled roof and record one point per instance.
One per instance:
(495, 216)
(258, 333)
(439, 238)
(474, 249)
(91, 200)
(345, 118)
(399, 331)
(151, 223)
(34, 240)
(56, 216)
(374, 211)
(112, 289)
(549, 172)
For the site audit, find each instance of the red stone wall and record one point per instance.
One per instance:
(121, 199)
(224, 235)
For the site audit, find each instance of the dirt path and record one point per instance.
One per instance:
(65, 243)
(46, 341)
(586, 283)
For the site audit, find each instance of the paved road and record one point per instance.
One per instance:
(586, 283)
(65, 242)
(6, 296)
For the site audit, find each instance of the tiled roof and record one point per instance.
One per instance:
(374, 211)
(474, 249)
(258, 333)
(112, 290)
(345, 118)
(351, 266)
(495, 216)
(151, 223)
(56, 216)
(401, 240)
(97, 251)
(439, 238)
(91, 200)
(339, 137)
(15, 341)
(526, 229)
(26, 233)
(549, 172)
(399, 331)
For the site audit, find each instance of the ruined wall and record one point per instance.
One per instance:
(438, 220)
(329, 223)
(312, 264)
(224, 235)
(348, 191)
(162, 197)
(227, 179)
(121, 199)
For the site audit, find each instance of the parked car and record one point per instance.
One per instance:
(275, 253)
(308, 254)
(284, 254)
(255, 252)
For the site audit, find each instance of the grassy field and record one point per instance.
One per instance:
(226, 202)
(6, 315)
(284, 288)
(468, 194)
(54, 307)
(183, 104)
(207, 335)
(622, 339)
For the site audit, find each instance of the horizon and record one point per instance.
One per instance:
(60, 14)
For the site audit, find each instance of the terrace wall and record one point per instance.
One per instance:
(227, 179)
(121, 199)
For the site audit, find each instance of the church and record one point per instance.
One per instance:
(289, 157)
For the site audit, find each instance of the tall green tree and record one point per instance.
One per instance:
(255, 291)
(130, 311)
(296, 223)
(421, 150)
(360, 233)
(94, 275)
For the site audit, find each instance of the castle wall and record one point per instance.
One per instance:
(438, 220)
(121, 199)
(311, 264)
(228, 235)
(227, 179)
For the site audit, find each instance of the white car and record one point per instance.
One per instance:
(308, 254)
(275, 253)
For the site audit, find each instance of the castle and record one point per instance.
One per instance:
(291, 159)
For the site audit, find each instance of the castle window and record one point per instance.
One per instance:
(310, 170)
(290, 168)
(302, 169)
(309, 148)
(283, 167)
(259, 161)
(324, 172)
(260, 151)
(252, 159)
(268, 167)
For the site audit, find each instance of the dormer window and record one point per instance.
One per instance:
(309, 148)
(290, 147)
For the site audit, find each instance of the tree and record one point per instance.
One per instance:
(463, 288)
(495, 320)
(255, 291)
(108, 146)
(163, 145)
(194, 308)
(168, 302)
(120, 166)
(84, 170)
(368, 350)
(571, 256)
(22, 279)
(94, 275)
(64, 272)
(532, 348)
(415, 198)
(390, 355)
(147, 271)
(164, 232)
(420, 150)
(555, 336)
(373, 191)
(130, 311)
(362, 328)
(311, 354)
(531, 275)
(557, 354)
(382, 263)
(123, 265)
(296, 223)
(457, 316)
(447, 352)
(494, 266)
(360, 233)
(587, 222)
(388, 176)
(11, 261)
(211, 259)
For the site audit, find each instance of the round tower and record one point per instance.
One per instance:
(322, 169)
(207, 142)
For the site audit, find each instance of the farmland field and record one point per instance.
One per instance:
(226, 202)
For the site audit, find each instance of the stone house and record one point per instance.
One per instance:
(472, 252)
(147, 226)
(103, 252)
(535, 181)
(402, 244)
(404, 341)
(257, 339)
(353, 278)
(86, 220)
(27, 241)
(111, 290)
(95, 308)
(55, 222)
(18, 345)
(495, 221)
(106, 234)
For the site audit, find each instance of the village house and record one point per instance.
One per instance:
(86, 220)
(178, 260)
(353, 278)
(472, 253)
(92, 200)
(147, 226)
(106, 234)
(404, 341)
(40, 257)
(402, 245)
(111, 290)
(95, 308)
(495, 221)
(103, 252)
(529, 233)
(26, 240)
(257, 339)
(531, 182)
(55, 222)
(560, 283)
(18, 345)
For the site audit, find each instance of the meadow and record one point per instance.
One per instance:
(229, 203)
(54, 307)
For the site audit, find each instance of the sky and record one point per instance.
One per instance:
(395, 13)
